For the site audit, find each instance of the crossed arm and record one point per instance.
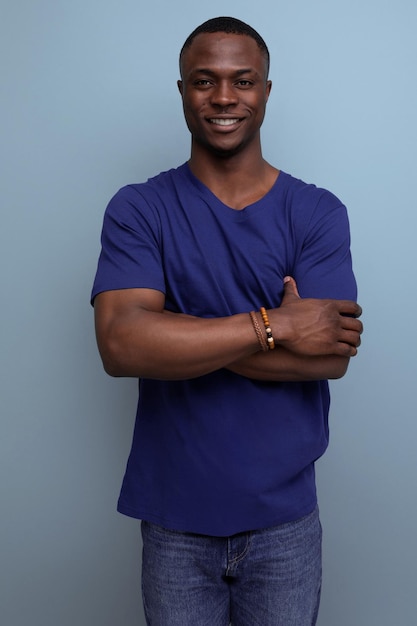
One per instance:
(137, 337)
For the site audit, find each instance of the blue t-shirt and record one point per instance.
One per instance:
(221, 453)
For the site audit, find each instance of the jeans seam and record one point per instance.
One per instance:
(234, 562)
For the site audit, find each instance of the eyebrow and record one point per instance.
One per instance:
(209, 72)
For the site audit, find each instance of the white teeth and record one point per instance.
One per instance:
(224, 122)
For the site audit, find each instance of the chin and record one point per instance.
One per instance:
(225, 151)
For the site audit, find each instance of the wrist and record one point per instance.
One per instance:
(263, 330)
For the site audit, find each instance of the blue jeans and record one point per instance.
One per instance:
(269, 577)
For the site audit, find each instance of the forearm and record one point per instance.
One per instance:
(174, 347)
(137, 337)
(281, 365)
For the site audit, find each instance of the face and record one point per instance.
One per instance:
(224, 89)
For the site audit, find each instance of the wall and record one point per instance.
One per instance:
(90, 103)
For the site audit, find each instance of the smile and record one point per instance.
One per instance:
(224, 122)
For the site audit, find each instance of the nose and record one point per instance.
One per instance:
(224, 94)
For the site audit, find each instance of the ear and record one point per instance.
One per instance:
(179, 85)
(268, 88)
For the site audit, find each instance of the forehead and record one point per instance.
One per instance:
(223, 51)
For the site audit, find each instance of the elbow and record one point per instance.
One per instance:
(113, 360)
(339, 368)
(111, 365)
(120, 353)
(112, 368)
(121, 360)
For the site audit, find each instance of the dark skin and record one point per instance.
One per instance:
(224, 89)
(224, 79)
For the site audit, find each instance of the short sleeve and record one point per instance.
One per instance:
(323, 268)
(130, 254)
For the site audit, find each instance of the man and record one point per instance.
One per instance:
(233, 399)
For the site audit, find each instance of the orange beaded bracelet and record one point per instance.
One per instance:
(269, 337)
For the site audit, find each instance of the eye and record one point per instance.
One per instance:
(202, 82)
(244, 83)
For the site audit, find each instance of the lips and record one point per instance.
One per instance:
(221, 121)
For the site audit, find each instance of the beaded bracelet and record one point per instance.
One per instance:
(260, 335)
(269, 337)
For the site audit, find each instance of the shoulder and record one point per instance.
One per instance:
(305, 193)
(162, 183)
(308, 203)
(148, 198)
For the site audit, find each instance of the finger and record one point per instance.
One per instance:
(348, 307)
(290, 287)
(352, 338)
(346, 349)
(353, 324)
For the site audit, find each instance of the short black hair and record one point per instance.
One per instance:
(230, 25)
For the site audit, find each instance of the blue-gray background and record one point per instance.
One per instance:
(89, 103)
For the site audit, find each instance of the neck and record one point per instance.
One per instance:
(238, 179)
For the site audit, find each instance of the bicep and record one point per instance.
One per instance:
(120, 305)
